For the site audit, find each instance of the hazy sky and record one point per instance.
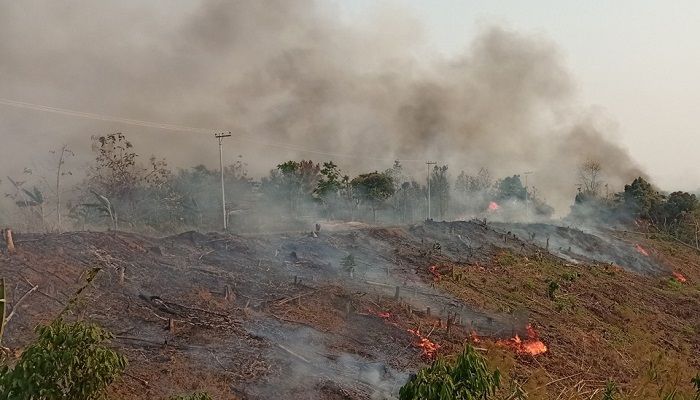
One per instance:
(637, 60)
(181, 62)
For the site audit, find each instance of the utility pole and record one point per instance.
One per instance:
(221, 137)
(429, 163)
(527, 204)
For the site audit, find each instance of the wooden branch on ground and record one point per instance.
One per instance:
(287, 300)
(51, 297)
(196, 309)
(560, 379)
(685, 244)
(142, 381)
(675, 238)
(293, 353)
(293, 321)
(14, 307)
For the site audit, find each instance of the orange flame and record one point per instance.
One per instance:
(532, 345)
(436, 275)
(474, 337)
(679, 277)
(428, 347)
(493, 206)
(641, 250)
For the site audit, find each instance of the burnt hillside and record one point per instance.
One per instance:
(349, 313)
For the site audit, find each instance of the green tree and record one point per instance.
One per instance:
(440, 190)
(292, 182)
(67, 361)
(396, 172)
(34, 199)
(328, 187)
(466, 378)
(114, 173)
(374, 189)
(141, 193)
(675, 206)
(511, 188)
(640, 199)
(409, 199)
(474, 192)
(196, 193)
(30, 201)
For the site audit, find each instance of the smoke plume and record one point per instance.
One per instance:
(291, 79)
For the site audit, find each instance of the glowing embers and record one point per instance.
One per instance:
(532, 345)
(679, 277)
(436, 274)
(641, 250)
(428, 348)
(493, 206)
(380, 314)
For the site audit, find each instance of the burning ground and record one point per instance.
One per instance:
(298, 316)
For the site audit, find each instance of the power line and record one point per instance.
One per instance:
(182, 128)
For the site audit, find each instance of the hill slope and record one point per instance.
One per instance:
(303, 320)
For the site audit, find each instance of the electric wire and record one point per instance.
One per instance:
(181, 128)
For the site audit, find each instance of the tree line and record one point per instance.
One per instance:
(122, 190)
(640, 203)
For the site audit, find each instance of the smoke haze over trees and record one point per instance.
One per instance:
(292, 80)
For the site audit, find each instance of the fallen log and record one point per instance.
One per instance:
(16, 305)
(288, 299)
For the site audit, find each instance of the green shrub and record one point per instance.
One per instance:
(673, 284)
(610, 390)
(552, 287)
(570, 276)
(467, 377)
(68, 361)
(517, 392)
(193, 396)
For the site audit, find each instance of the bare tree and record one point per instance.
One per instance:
(589, 177)
(64, 152)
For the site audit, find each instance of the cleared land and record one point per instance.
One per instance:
(290, 315)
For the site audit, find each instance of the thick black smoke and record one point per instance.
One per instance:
(292, 74)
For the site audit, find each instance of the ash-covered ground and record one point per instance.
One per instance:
(290, 315)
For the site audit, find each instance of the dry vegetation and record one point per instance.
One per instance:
(601, 322)
(331, 336)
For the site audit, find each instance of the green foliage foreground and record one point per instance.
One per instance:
(466, 378)
(68, 361)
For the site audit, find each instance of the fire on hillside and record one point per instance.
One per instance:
(532, 345)
(428, 347)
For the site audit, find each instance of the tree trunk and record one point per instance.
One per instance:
(8, 240)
